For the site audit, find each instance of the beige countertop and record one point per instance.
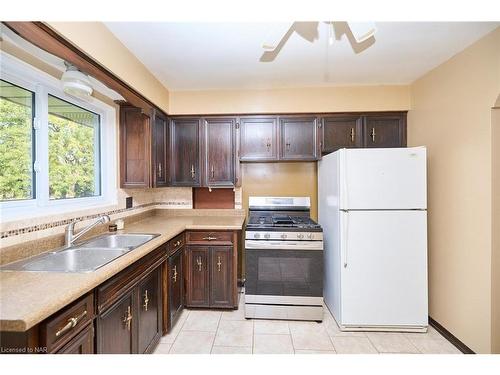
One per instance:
(27, 298)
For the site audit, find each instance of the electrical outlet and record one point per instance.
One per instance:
(128, 202)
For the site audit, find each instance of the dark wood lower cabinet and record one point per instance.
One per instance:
(221, 276)
(149, 312)
(83, 343)
(175, 284)
(197, 288)
(116, 327)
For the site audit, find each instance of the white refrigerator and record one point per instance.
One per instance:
(372, 205)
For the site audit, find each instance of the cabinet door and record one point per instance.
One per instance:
(298, 138)
(221, 276)
(175, 286)
(385, 130)
(149, 312)
(220, 151)
(197, 293)
(116, 327)
(135, 155)
(342, 131)
(83, 343)
(160, 141)
(185, 152)
(258, 138)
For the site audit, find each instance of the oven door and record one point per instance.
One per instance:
(283, 269)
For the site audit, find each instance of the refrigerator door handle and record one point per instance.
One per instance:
(346, 238)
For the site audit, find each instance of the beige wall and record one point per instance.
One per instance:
(96, 40)
(307, 99)
(280, 179)
(451, 115)
(495, 264)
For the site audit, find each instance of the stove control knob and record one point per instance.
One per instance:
(310, 236)
(300, 236)
(267, 235)
(283, 236)
(256, 235)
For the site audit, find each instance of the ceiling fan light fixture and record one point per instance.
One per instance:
(362, 30)
(76, 83)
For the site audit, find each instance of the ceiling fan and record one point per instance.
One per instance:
(361, 35)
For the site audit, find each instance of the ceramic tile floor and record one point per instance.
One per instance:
(227, 332)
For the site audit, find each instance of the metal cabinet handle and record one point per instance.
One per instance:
(218, 263)
(353, 134)
(192, 172)
(210, 238)
(72, 322)
(159, 170)
(175, 274)
(268, 144)
(287, 144)
(199, 263)
(146, 300)
(213, 171)
(128, 318)
(177, 243)
(373, 134)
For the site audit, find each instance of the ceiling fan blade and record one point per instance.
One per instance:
(275, 34)
(362, 30)
(366, 40)
(307, 30)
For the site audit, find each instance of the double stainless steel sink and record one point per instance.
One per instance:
(85, 257)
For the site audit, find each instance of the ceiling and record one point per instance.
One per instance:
(199, 56)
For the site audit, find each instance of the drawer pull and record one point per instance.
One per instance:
(199, 263)
(72, 322)
(128, 318)
(210, 238)
(177, 243)
(175, 274)
(146, 300)
(219, 263)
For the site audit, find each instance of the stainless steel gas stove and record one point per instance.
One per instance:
(283, 260)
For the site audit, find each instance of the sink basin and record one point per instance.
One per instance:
(74, 260)
(114, 241)
(86, 257)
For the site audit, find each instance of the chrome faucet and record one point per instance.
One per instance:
(70, 236)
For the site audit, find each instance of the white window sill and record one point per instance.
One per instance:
(29, 210)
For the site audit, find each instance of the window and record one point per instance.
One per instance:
(57, 152)
(74, 165)
(16, 142)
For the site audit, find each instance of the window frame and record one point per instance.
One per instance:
(42, 84)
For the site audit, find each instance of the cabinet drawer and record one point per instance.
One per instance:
(213, 238)
(176, 243)
(116, 287)
(65, 324)
(83, 343)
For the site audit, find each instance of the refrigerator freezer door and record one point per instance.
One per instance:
(383, 179)
(384, 269)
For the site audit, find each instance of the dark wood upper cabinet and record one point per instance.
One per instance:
(149, 312)
(221, 275)
(160, 142)
(197, 288)
(298, 138)
(185, 152)
(385, 130)
(135, 150)
(220, 151)
(258, 138)
(116, 327)
(340, 131)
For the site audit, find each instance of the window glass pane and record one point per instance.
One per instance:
(74, 163)
(16, 142)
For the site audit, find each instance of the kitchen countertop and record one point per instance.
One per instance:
(27, 298)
